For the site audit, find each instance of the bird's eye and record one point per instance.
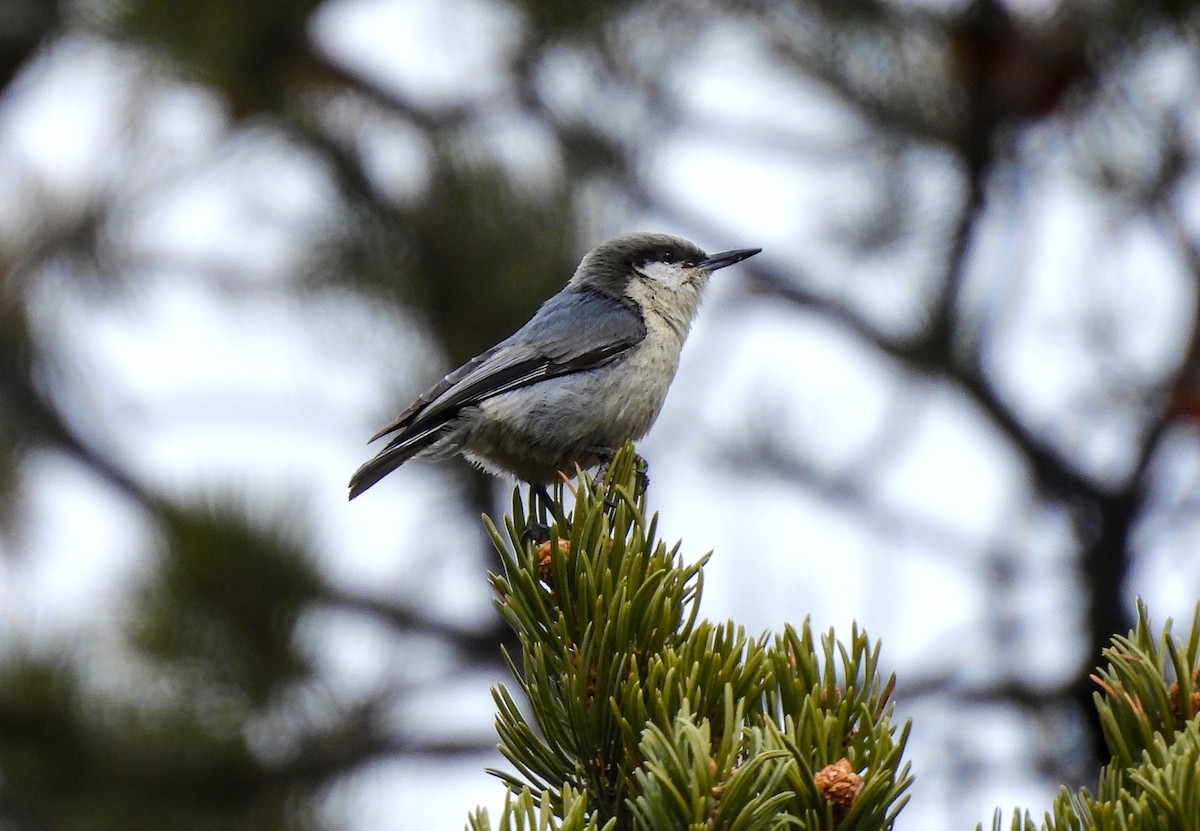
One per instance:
(667, 256)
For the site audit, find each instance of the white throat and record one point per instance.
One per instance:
(670, 293)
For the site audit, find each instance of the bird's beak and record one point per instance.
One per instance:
(715, 261)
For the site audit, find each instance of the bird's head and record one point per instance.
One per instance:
(654, 268)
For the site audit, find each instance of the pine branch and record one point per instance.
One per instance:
(1149, 708)
(637, 714)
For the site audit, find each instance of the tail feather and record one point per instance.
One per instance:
(391, 457)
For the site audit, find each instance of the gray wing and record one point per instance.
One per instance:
(574, 331)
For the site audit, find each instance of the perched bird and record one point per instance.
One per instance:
(588, 371)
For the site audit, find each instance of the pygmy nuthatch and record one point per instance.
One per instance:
(589, 371)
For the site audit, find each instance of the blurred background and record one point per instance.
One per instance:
(956, 398)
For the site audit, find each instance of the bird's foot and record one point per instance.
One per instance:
(604, 457)
(641, 482)
(548, 508)
(536, 533)
(642, 467)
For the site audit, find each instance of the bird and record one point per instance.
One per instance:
(589, 371)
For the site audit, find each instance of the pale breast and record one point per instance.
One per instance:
(599, 408)
(645, 375)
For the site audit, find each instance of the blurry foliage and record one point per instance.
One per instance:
(254, 54)
(219, 722)
(72, 760)
(518, 241)
(519, 249)
(15, 432)
(225, 604)
(24, 26)
(226, 724)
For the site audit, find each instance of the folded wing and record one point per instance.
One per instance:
(575, 331)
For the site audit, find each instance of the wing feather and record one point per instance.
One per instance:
(576, 330)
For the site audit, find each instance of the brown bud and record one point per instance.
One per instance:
(1178, 709)
(542, 552)
(839, 784)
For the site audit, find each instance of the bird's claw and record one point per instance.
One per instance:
(535, 533)
(642, 481)
(642, 468)
(549, 506)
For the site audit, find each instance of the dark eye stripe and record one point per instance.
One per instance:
(669, 256)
